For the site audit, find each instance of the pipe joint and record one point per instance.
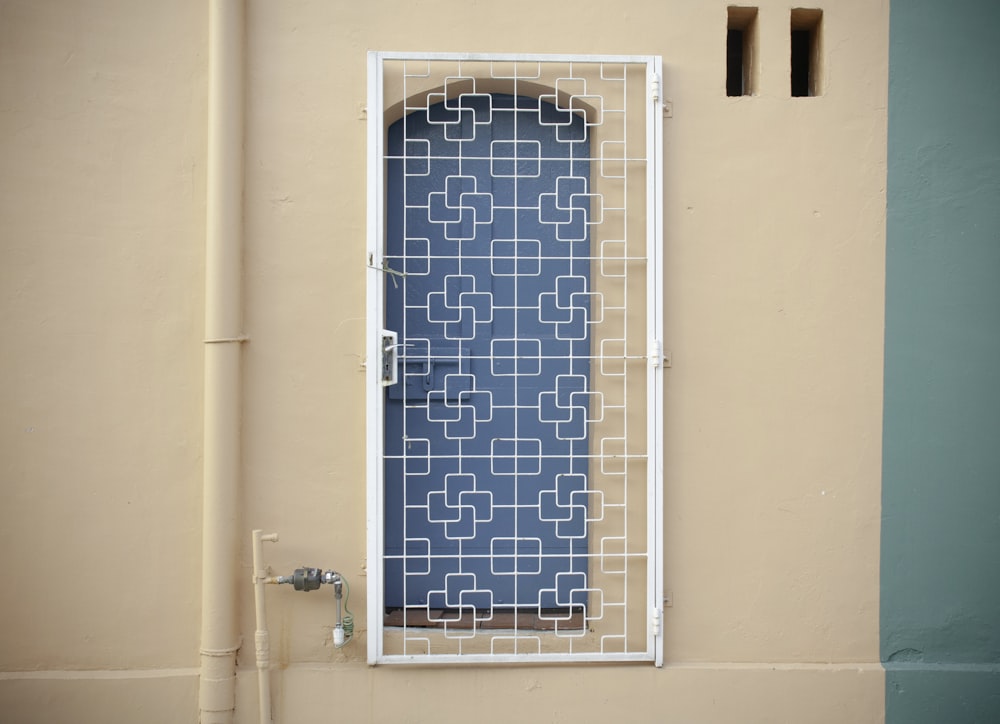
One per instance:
(309, 579)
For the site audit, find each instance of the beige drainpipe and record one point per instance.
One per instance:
(220, 637)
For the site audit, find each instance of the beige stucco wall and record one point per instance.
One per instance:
(774, 248)
(102, 144)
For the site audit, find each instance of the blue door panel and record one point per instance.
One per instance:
(486, 431)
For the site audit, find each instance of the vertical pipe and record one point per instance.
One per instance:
(223, 326)
(261, 637)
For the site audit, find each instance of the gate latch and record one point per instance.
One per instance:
(389, 366)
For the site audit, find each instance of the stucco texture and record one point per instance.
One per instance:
(774, 243)
(940, 620)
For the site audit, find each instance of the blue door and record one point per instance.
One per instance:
(486, 430)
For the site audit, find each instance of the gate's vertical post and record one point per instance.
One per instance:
(654, 283)
(373, 407)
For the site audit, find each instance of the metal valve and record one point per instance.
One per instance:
(309, 579)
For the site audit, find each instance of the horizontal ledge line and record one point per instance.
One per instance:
(70, 675)
(958, 667)
(858, 666)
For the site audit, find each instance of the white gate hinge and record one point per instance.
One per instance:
(654, 88)
(655, 352)
(655, 620)
(657, 357)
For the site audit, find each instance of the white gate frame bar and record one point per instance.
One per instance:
(374, 408)
(654, 301)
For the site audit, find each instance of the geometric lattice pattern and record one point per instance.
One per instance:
(513, 258)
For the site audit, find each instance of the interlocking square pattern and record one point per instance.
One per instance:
(515, 258)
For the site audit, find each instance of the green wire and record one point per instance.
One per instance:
(348, 616)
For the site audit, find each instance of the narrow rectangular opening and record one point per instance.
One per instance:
(741, 51)
(806, 52)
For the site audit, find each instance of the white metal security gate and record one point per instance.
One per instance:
(514, 359)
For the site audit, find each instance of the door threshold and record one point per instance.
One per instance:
(548, 619)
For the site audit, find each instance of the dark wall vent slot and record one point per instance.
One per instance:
(806, 26)
(741, 51)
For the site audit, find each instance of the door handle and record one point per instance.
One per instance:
(389, 355)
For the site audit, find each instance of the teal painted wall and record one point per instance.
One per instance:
(940, 598)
